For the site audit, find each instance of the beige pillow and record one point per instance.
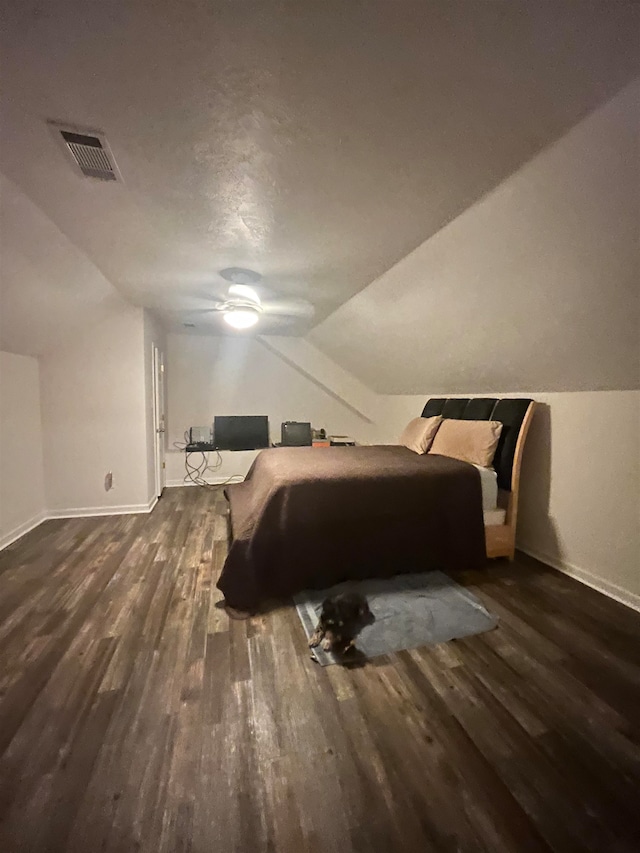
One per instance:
(470, 441)
(418, 433)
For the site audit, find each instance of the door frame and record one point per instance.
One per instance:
(159, 419)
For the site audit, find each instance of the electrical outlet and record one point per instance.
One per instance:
(108, 481)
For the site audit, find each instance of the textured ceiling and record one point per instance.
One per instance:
(317, 143)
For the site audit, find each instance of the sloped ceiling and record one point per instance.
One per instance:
(534, 288)
(318, 143)
(49, 289)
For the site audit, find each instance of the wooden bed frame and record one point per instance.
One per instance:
(501, 538)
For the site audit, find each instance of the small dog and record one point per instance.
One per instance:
(342, 618)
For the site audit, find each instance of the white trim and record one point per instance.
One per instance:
(75, 512)
(90, 511)
(612, 590)
(158, 418)
(21, 529)
(210, 481)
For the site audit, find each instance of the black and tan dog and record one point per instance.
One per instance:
(342, 618)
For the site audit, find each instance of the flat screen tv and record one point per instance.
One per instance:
(295, 433)
(241, 432)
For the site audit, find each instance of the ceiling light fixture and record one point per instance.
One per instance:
(241, 318)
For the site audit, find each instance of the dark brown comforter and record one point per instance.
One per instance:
(310, 517)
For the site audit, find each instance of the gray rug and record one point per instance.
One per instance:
(410, 610)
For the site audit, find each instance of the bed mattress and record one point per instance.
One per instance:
(492, 517)
(489, 483)
(491, 512)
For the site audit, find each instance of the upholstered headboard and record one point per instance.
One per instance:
(510, 412)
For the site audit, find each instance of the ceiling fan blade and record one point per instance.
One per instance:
(288, 308)
(244, 292)
(191, 303)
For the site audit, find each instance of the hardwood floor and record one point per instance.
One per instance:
(135, 716)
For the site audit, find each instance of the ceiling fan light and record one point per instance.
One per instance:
(241, 318)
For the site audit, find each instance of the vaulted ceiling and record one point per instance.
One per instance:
(536, 287)
(317, 143)
(48, 288)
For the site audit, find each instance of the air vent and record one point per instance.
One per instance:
(88, 151)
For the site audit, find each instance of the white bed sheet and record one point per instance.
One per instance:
(494, 517)
(489, 482)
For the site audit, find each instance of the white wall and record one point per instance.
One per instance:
(243, 376)
(22, 495)
(580, 487)
(94, 418)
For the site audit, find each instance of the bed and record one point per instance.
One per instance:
(500, 509)
(307, 517)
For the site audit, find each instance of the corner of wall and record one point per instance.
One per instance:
(22, 492)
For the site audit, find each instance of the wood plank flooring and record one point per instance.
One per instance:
(134, 716)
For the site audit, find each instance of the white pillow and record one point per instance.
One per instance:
(419, 433)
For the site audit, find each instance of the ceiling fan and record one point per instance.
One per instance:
(242, 307)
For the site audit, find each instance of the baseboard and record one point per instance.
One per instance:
(210, 481)
(22, 529)
(91, 511)
(76, 512)
(612, 590)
